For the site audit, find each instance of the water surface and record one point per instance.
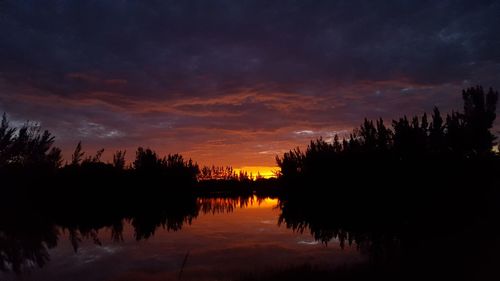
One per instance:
(227, 238)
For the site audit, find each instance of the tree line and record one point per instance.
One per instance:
(455, 137)
(30, 149)
(28, 157)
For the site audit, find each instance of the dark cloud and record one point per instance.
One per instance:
(127, 72)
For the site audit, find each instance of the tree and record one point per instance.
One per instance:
(146, 160)
(94, 159)
(291, 163)
(384, 136)
(54, 157)
(436, 132)
(119, 159)
(462, 136)
(77, 156)
(479, 114)
(368, 134)
(27, 146)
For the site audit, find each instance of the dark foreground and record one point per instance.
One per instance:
(453, 234)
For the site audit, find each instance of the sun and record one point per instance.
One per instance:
(264, 171)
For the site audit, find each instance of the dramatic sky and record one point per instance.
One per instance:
(236, 82)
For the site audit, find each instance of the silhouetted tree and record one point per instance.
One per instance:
(146, 160)
(119, 159)
(222, 173)
(27, 146)
(384, 137)
(479, 114)
(436, 133)
(368, 134)
(77, 156)
(94, 159)
(55, 157)
(455, 135)
(291, 163)
(337, 146)
(462, 136)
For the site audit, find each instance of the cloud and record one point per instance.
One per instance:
(227, 76)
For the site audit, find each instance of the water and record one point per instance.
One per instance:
(224, 240)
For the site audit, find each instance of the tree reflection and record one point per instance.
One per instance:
(455, 237)
(27, 232)
(25, 239)
(400, 240)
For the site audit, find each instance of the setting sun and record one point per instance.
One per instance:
(264, 171)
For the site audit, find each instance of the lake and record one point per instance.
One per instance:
(223, 239)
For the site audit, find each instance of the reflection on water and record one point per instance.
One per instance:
(223, 238)
(205, 238)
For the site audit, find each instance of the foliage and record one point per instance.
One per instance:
(225, 173)
(27, 147)
(410, 140)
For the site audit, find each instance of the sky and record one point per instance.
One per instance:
(236, 82)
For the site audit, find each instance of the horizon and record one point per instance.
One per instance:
(236, 84)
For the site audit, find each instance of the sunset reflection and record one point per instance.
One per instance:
(229, 238)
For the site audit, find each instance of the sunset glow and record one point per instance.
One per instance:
(263, 171)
